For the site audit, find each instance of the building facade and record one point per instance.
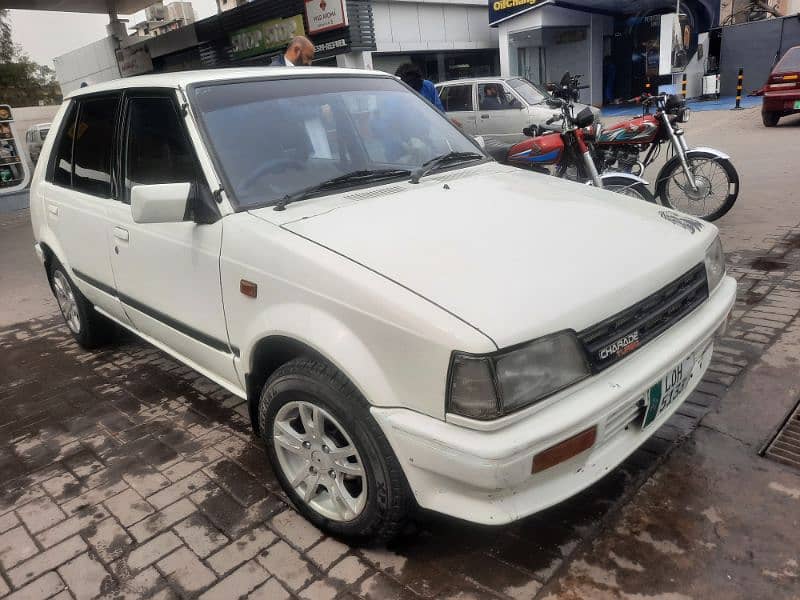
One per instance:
(161, 18)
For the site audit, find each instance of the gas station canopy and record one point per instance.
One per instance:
(122, 7)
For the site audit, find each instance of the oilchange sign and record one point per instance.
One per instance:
(500, 10)
(265, 36)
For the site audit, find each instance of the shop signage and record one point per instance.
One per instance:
(134, 61)
(325, 15)
(500, 10)
(265, 36)
(328, 46)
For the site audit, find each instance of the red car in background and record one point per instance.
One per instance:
(782, 91)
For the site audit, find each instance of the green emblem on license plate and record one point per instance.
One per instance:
(797, 104)
(653, 403)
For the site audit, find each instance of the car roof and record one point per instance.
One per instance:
(181, 79)
(476, 80)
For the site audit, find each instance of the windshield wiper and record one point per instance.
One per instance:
(437, 161)
(353, 177)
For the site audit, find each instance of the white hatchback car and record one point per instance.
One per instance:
(499, 107)
(412, 323)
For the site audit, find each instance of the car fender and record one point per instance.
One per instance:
(329, 337)
(714, 151)
(618, 174)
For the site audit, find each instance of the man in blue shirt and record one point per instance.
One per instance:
(412, 76)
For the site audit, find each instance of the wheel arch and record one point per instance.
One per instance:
(309, 331)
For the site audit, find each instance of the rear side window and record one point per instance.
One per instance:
(457, 97)
(158, 149)
(61, 169)
(789, 62)
(93, 147)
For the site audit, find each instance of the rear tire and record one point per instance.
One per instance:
(770, 119)
(330, 456)
(89, 328)
(626, 187)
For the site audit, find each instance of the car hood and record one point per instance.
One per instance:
(515, 254)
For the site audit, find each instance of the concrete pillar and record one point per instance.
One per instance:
(355, 60)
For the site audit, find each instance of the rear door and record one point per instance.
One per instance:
(78, 191)
(458, 100)
(167, 274)
(503, 117)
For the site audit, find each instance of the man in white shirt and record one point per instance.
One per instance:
(300, 53)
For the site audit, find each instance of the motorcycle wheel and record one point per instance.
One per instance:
(623, 186)
(717, 182)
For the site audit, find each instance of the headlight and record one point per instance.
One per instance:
(684, 114)
(715, 264)
(487, 387)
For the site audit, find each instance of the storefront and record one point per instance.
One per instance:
(254, 33)
(618, 51)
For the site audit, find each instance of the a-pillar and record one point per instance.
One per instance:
(355, 60)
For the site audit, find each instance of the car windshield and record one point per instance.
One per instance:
(789, 62)
(532, 93)
(276, 137)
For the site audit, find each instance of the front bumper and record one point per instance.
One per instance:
(485, 476)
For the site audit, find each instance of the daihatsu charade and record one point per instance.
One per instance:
(411, 323)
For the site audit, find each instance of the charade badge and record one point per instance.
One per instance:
(688, 223)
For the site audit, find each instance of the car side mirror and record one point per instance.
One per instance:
(160, 203)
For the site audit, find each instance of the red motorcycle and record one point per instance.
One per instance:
(699, 181)
(569, 149)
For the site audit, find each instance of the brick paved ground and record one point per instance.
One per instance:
(125, 474)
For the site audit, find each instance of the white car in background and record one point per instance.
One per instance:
(411, 322)
(34, 138)
(517, 103)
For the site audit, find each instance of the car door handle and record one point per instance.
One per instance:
(52, 209)
(121, 234)
(484, 116)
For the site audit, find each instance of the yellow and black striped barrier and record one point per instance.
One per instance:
(739, 86)
(683, 86)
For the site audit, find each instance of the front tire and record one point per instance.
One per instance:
(717, 182)
(626, 187)
(330, 456)
(89, 328)
(770, 119)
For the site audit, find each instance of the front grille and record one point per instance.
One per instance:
(616, 337)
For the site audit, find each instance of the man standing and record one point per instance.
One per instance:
(412, 77)
(300, 53)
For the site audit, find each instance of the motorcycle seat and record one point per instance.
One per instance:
(497, 150)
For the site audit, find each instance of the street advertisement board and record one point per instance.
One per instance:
(13, 169)
(325, 15)
(265, 36)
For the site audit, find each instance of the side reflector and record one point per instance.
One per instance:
(564, 450)
(248, 288)
(790, 77)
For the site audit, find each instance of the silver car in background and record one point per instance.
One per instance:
(497, 107)
(34, 138)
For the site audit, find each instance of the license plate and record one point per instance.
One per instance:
(672, 385)
(797, 104)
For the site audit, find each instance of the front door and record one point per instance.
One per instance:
(78, 192)
(501, 115)
(459, 104)
(167, 274)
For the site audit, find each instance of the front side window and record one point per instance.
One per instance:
(495, 96)
(157, 149)
(61, 169)
(93, 147)
(276, 137)
(457, 98)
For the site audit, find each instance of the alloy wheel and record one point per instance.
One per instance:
(66, 301)
(319, 460)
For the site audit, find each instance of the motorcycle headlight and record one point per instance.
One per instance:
(715, 264)
(487, 387)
